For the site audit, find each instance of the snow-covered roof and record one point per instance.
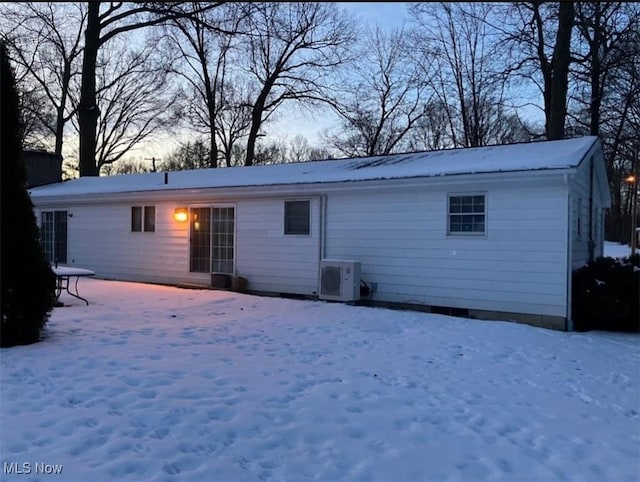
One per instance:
(533, 156)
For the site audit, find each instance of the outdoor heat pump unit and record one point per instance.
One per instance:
(339, 280)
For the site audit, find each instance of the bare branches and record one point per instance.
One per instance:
(380, 99)
(461, 59)
(292, 47)
(46, 44)
(117, 19)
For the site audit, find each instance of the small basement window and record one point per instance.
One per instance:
(143, 218)
(467, 214)
(296, 217)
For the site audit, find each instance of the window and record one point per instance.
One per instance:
(53, 233)
(149, 219)
(200, 250)
(136, 219)
(140, 223)
(467, 214)
(296, 217)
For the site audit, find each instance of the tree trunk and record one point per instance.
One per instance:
(59, 130)
(88, 108)
(213, 148)
(560, 65)
(256, 120)
(213, 145)
(596, 73)
(60, 113)
(545, 66)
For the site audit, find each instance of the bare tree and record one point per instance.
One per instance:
(126, 166)
(104, 24)
(558, 71)
(464, 68)
(36, 116)
(132, 99)
(382, 97)
(606, 45)
(538, 35)
(606, 90)
(292, 47)
(299, 149)
(234, 118)
(189, 155)
(46, 44)
(203, 65)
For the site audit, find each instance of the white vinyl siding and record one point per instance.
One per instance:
(268, 258)
(100, 239)
(519, 266)
(585, 227)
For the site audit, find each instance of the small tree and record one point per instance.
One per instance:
(27, 281)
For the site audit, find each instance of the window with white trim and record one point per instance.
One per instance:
(296, 217)
(467, 214)
(143, 218)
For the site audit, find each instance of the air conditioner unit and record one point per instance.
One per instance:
(339, 280)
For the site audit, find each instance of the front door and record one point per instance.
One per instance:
(212, 247)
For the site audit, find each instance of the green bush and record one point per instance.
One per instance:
(606, 295)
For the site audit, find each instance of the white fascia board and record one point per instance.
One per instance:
(285, 190)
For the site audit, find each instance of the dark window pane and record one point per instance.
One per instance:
(60, 236)
(149, 219)
(455, 206)
(296, 217)
(467, 214)
(46, 234)
(200, 240)
(136, 219)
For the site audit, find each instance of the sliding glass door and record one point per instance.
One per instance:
(212, 247)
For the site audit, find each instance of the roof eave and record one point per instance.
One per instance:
(272, 190)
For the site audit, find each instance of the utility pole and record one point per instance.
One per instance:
(153, 163)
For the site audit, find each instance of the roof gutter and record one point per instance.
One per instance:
(280, 190)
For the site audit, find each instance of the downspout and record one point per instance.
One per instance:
(591, 243)
(568, 323)
(323, 228)
(322, 233)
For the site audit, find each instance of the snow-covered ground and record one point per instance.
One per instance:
(153, 383)
(616, 250)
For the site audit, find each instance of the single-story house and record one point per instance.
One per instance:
(490, 232)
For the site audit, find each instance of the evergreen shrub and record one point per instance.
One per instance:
(606, 295)
(27, 282)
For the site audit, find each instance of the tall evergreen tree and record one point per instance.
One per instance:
(28, 283)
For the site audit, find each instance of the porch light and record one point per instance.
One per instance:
(181, 214)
